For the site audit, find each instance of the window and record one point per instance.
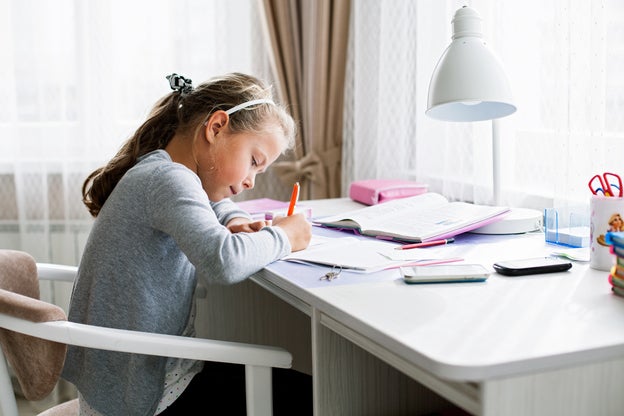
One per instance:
(78, 77)
(564, 60)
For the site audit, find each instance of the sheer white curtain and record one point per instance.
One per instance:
(78, 77)
(565, 61)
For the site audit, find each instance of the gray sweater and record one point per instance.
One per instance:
(156, 235)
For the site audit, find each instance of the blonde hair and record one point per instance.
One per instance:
(184, 111)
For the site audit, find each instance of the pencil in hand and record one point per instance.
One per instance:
(294, 197)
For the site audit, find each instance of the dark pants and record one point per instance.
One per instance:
(220, 390)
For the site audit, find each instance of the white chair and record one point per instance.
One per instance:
(34, 336)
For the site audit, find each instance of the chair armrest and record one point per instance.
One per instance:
(142, 342)
(150, 343)
(57, 272)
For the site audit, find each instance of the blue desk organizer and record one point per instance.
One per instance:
(567, 226)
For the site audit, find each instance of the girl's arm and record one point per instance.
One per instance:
(226, 210)
(179, 207)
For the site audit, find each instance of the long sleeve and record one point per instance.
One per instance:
(156, 235)
(180, 208)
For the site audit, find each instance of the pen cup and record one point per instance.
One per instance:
(606, 215)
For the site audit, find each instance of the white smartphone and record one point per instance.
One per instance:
(442, 273)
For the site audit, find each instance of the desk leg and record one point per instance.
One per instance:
(316, 387)
(350, 381)
(592, 389)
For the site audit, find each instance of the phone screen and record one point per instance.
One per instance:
(445, 273)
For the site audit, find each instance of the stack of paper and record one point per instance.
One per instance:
(365, 255)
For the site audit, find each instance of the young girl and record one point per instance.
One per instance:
(164, 220)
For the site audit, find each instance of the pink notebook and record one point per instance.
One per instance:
(377, 191)
(267, 208)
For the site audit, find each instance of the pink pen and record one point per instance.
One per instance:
(426, 244)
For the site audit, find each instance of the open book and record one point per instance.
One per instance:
(419, 218)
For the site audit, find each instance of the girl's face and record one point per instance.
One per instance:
(231, 161)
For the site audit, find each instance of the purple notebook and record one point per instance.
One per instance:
(267, 208)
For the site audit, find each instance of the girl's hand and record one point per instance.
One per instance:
(243, 225)
(298, 229)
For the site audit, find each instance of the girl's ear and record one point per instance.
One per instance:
(215, 124)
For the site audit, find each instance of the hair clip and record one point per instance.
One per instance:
(180, 84)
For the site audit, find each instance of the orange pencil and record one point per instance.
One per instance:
(294, 197)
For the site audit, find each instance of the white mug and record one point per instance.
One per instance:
(606, 214)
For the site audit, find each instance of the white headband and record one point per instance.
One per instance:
(248, 104)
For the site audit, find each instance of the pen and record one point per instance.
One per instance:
(293, 199)
(426, 244)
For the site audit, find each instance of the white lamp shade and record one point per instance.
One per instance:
(468, 83)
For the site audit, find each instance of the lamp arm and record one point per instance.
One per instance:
(496, 160)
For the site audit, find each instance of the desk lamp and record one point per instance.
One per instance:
(469, 84)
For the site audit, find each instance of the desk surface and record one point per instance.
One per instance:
(472, 331)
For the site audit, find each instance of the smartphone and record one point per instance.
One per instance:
(535, 265)
(441, 273)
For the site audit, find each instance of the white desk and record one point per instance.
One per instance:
(536, 345)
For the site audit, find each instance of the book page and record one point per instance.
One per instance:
(348, 252)
(371, 217)
(429, 223)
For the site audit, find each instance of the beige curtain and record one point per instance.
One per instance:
(309, 44)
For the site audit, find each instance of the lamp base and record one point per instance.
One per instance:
(517, 221)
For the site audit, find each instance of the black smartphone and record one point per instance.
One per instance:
(535, 265)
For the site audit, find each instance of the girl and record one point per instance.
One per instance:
(164, 220)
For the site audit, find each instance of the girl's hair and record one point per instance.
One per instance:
(184, 111)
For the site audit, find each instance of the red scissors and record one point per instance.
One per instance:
(609, 184)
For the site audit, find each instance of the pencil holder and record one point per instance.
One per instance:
(606, 215)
